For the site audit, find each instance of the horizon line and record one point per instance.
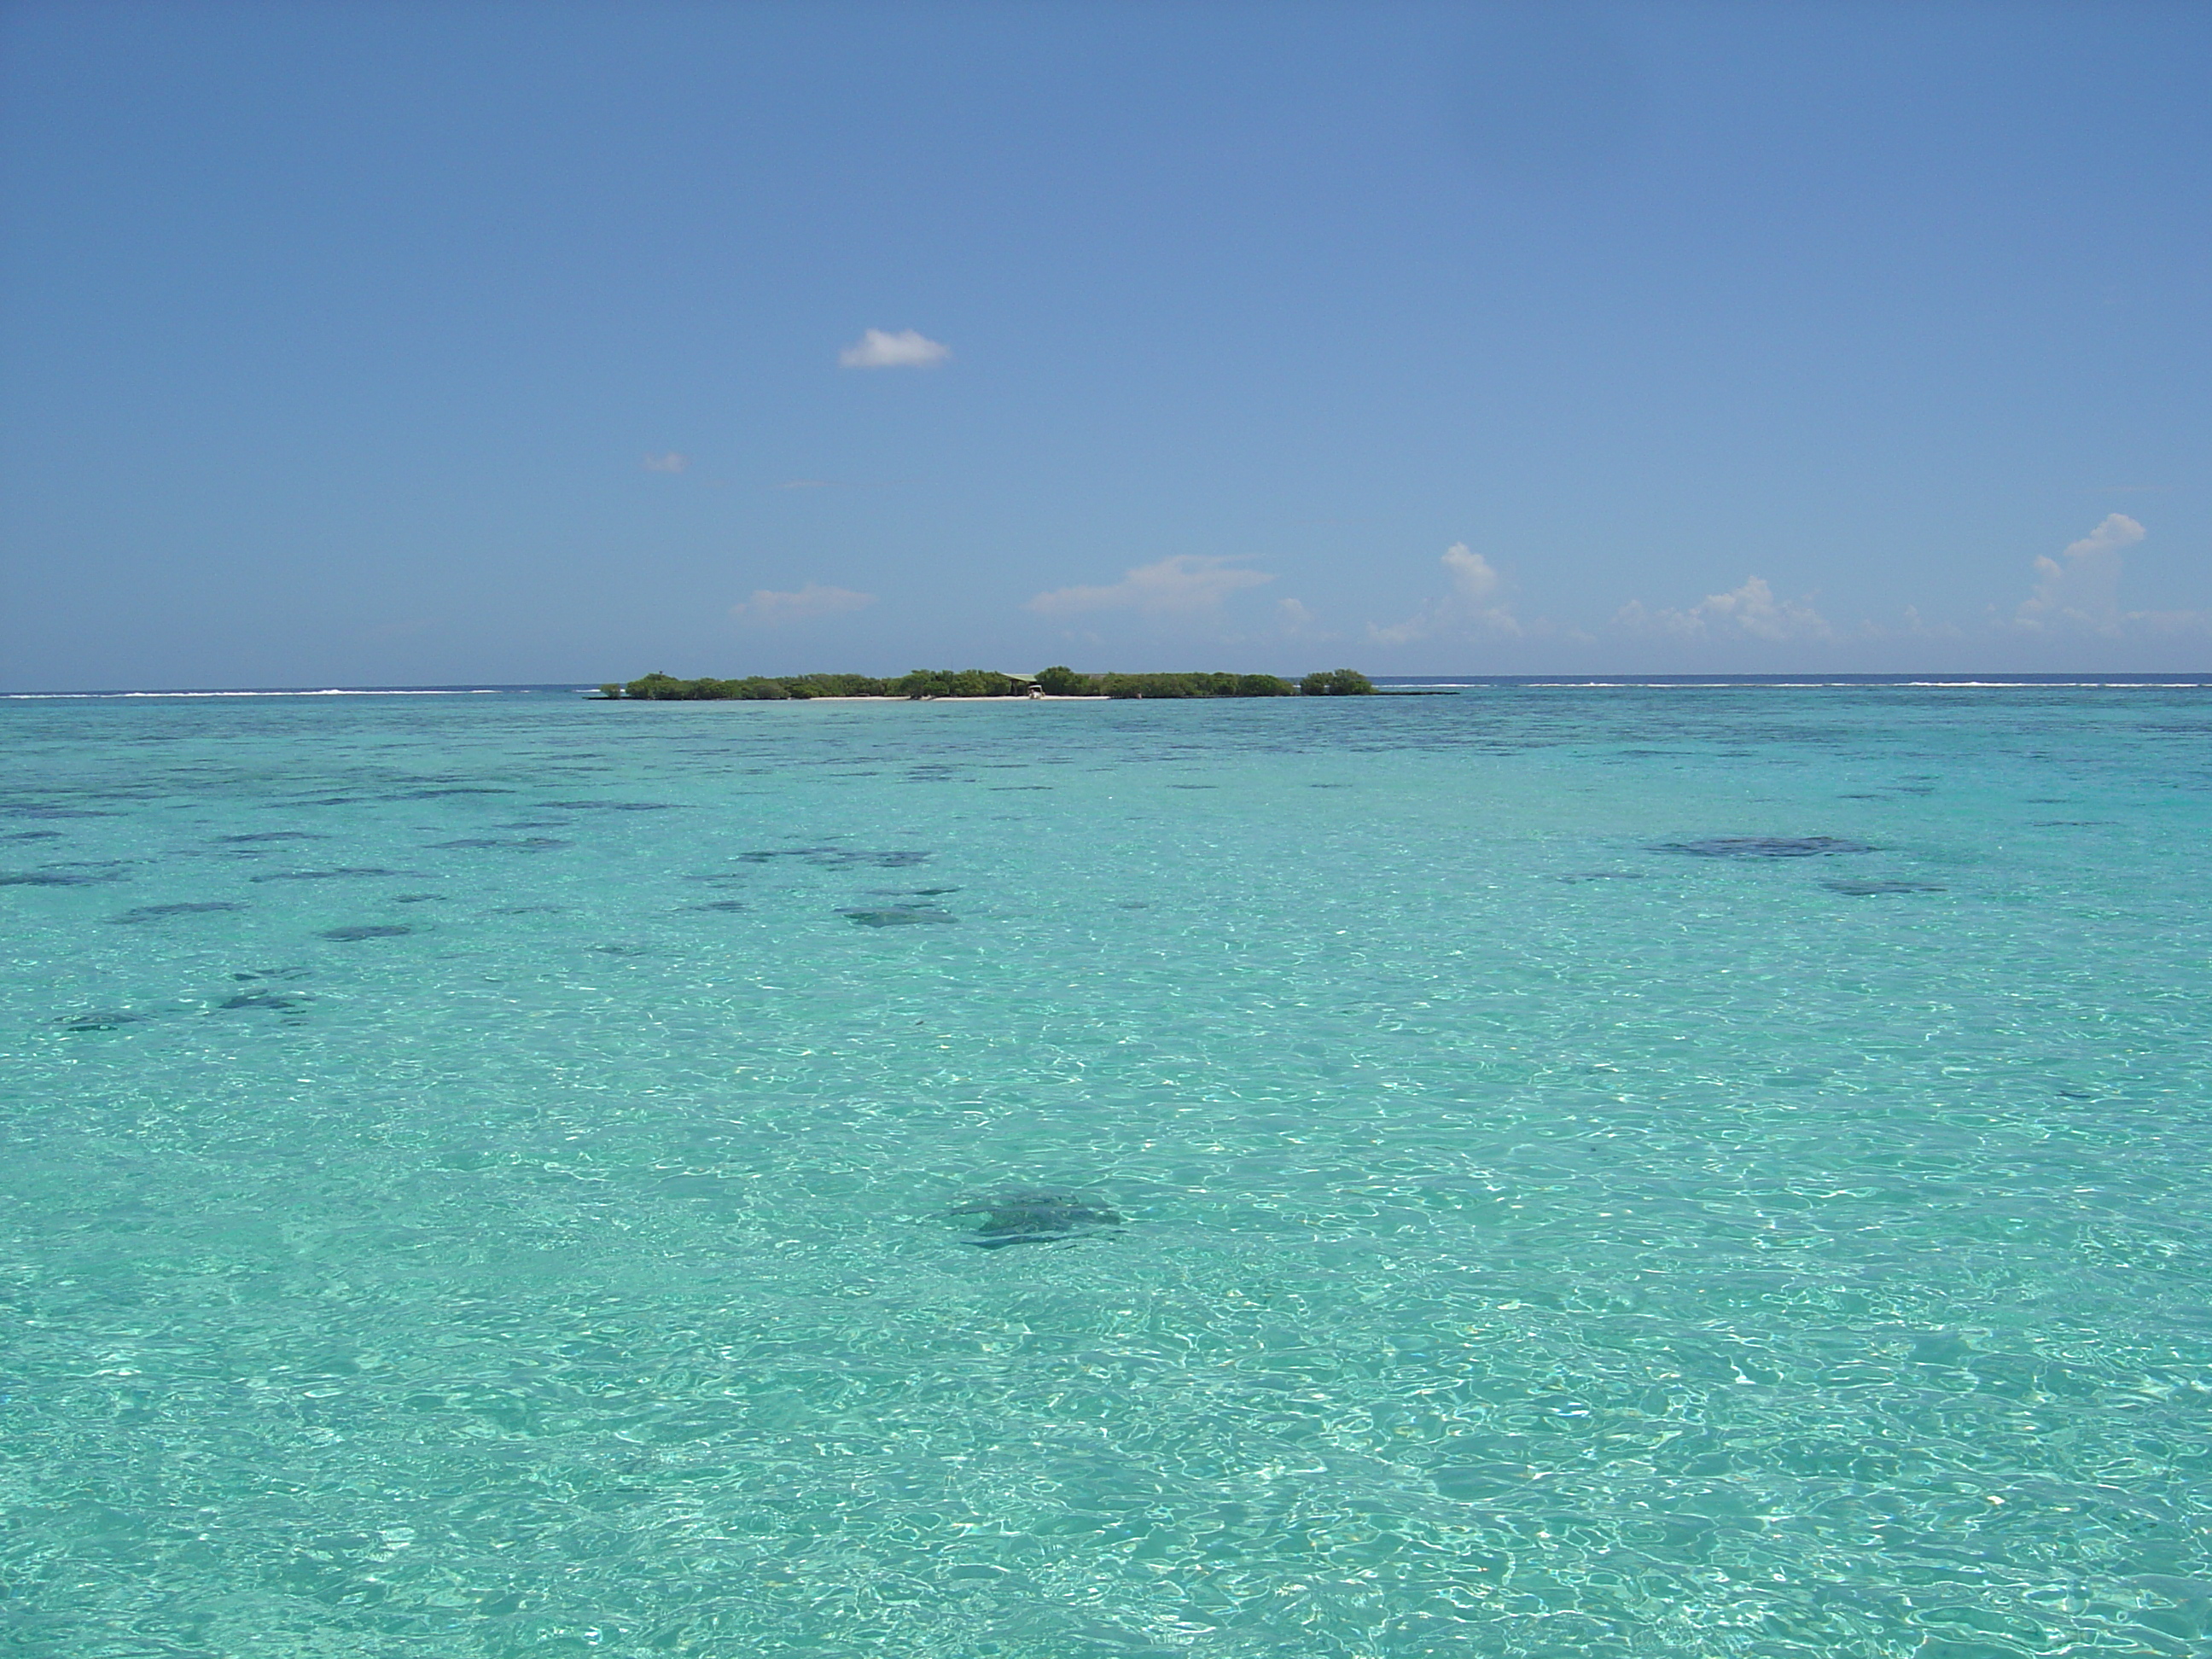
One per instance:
(1592, 679)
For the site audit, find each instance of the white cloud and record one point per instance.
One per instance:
(2079, 590)
(766, 609)
(904, 349)
(671, 462)
(1919, 628)
(1176, 587)
(1298, 621)
(1473, 604)
(1750, 611)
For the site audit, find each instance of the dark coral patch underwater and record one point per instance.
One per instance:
(1764, 847)
(366, 930)
(524, 844)
(106, 1019)
(895, 915)
(146, 912)
(347, 874)
(268, 1002)
(610, 807)
(836, 858)
(1033, 1218)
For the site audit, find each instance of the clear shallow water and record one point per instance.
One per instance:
(1535, 1242)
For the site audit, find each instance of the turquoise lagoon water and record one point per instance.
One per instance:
(482, 1176)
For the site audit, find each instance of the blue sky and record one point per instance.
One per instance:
(392, 343)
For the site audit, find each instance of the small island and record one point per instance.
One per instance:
(926, 682)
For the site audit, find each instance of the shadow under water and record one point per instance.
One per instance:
(1764, 847)
(895, 915)
(1033, 1218)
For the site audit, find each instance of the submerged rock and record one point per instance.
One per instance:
(837, 857)
(346, 874)
(522, 844)
(271, 1002)
(895, 915)
(1764, 847)
(610, 806)
(161, 912)
(1037, 1217)
(105, 1019)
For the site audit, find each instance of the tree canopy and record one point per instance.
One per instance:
(1058, 681)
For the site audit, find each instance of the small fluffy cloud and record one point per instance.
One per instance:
(1474, 605)
(1915, 626)
(1176, 587)
(904, 349)
(2079, 590)
(1750, 611)
(671, 462)
(768, 609)
(1297, 622)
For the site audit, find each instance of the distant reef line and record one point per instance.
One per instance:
(926, 683)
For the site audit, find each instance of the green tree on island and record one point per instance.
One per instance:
(1059, 681)
(1337, 683)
